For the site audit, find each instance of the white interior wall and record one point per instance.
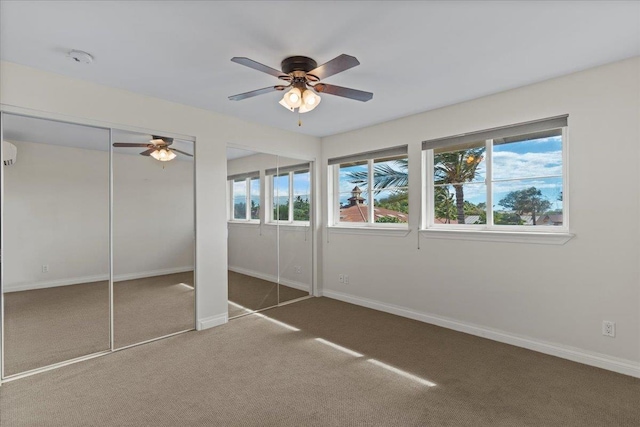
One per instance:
(545, 297)
(30, 91)
(254, 249)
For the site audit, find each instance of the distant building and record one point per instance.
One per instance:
(357, 211)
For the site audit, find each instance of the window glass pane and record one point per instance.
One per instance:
(528, 156)
(353, 197)
(460, 204)
(460, 164)
(528, 202)
(255, 198)
(391, 205)
(240, 199)
(301, 190)
(281, 197)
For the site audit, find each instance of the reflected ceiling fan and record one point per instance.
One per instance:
(304, 76)
(158, 148)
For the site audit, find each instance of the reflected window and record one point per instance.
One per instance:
(245, 197)
(291, 194)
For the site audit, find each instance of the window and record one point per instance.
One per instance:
(377, 179)
(245, 197)
(290, 194)
(509, 178)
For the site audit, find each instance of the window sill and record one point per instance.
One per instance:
(302, 226)
(243, 223)
(371, 231)
(539, 238)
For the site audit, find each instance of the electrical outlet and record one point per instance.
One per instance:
(45, 268)
(341, 278)
(608, 328)
(346, 279)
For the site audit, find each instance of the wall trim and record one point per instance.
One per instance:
(212, 321)
(95, 278)
(622, 366)
(268, 277)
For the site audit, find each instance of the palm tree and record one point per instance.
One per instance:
(384, 176)
(456, 168)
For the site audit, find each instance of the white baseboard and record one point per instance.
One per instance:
(212, 321)
(290, 283)
(97, 278)
(622, 366)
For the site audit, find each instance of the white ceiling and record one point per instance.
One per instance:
(415, 56)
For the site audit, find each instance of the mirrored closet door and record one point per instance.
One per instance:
(153, 237)
(269, 240)
(252, 241)
(55, 267)
(292, 191)
(98, 241)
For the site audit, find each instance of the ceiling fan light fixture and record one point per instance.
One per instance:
(293, 98)
(284, 104)
(163, 155)
(309, 100)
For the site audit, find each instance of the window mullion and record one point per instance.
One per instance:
(370, 195)
(247, 199)
(489, 181)
(428, 205)
(290, 196)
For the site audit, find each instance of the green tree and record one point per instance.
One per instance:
(456, 168)
(240, 210)
(529, 201)
(301, 209)
(398, 202)
(444, 206)
(388, 219)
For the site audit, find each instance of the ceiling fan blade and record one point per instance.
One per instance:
(335, 66)
(257, 66)
(181, 152)
(129, 144)
(345, 92)
(148, 152)
(256, 92)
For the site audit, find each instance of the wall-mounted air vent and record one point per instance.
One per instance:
(9, 153)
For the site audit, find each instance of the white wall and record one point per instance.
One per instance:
(56, 211)
(551, 298)
(31, 91)
(255, 249)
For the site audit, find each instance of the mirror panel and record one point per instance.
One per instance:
(252, 234)
(295, 257)
(55, 270)
(153, 238)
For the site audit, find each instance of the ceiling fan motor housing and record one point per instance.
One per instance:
(298, 63)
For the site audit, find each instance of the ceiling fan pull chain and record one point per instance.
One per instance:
(299, 121)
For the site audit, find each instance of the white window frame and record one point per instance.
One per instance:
(270, 199)
(428, 206)
(247, 201)
(334, 184)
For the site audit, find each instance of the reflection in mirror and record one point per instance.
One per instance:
(252, 245)
(153, 237)
(55, 266)
(292, 197)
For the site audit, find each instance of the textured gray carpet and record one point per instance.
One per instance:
(255, 294)
(253, 372)
(46, 326)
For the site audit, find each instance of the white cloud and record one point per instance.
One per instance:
(510, 165)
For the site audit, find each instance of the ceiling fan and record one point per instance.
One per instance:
(158, 148)
(304, 75)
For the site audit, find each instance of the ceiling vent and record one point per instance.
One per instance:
(9, 153)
